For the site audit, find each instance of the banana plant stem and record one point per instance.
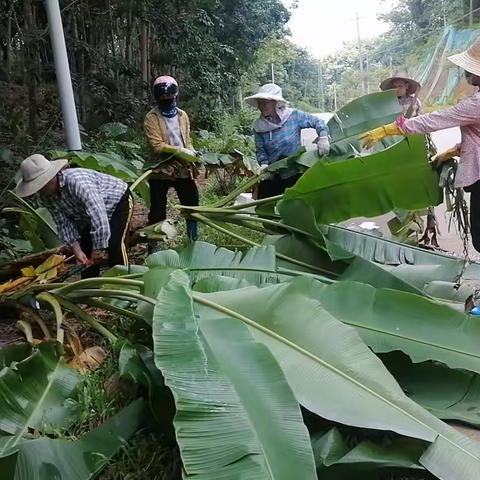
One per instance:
(100, 292)
(81, 315)
(217, 227)
(91, 302)
(91, 282)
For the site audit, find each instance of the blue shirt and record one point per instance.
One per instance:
(286, 140)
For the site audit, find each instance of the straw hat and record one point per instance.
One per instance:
(413, 85)
(36, 171)
(269, 91)
(469, 60)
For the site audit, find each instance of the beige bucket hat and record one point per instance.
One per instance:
(269, 91)
(36, 171)
(469, 60)
(413, 85)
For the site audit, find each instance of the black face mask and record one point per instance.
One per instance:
(167, 104)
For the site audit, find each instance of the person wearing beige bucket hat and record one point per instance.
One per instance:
(278, 135)
(92, 210)
(466, 115)
(407, 93)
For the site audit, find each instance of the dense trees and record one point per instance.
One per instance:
(117, 47)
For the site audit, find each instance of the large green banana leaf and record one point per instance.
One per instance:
(362, 114)
(370, 186)
(333, 373)
(449, 394)
(236, 415)
(35, 395)
(49, 459)
(257, 265)
(332, 452)
(137, 363)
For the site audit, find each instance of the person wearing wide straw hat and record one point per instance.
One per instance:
(278, 135)
(92, 210)
(407, 93)
(466, 115)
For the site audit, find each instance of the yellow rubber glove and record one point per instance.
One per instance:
(442, 157)
(374, 136)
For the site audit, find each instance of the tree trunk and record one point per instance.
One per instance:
(30, 70)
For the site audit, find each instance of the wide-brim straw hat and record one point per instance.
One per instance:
(469, 60)
(269, 91)
(36, 171)
(413, 85)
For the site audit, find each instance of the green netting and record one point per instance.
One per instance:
(442, 82)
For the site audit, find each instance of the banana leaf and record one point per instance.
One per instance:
(332, 452)
(357, 117)
(389, 320)
(46, 458)
(257, 265)
(369, 186)
(11, 354)
(334, 374)
(236, 415)
(137, 363)
(35, 394)
(449, 394)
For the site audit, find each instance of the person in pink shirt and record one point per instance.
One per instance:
(466, 115)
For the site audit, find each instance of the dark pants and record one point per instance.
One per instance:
(474, 191)
(275, 186)
(187, 193)
(117, 251)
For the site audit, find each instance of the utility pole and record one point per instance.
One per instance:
(321, 93)
(273, 73)
(471, 13)
(335, 104)
(390, 65)
(360, 53)
(64, 80)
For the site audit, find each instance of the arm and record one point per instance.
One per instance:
(67, 230)
(262, 156)
(90, 197)
(464, 113)
(307, 120)
(189, 138)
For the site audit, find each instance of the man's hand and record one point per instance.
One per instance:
(376, 135)
(445, 156)
(323, 146)
(98, 256)
(82, 259)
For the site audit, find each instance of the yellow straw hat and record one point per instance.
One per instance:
(469, 60)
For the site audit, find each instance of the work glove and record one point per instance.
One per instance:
(443, 157)
(188, 151)
(323, 146)
(376, 135)
(260, 169)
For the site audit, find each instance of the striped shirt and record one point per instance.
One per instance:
(466, 115)
(286, 140)
(86, 198)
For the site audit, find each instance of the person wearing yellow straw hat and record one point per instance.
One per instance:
(92, 210)
(466, 115)
(407, 93)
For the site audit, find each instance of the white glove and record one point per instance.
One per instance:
(260, 169)
(323, 146)
(188, 151)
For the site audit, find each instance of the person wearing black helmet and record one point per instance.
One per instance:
(168, 126)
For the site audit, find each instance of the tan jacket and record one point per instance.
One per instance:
(156, 133)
